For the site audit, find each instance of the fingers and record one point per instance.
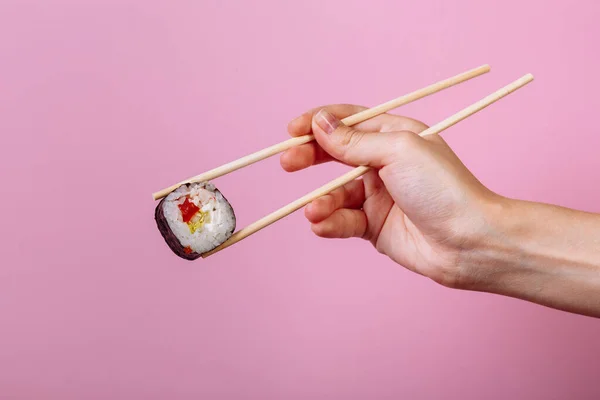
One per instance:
(356, 147)
(343, 223)
(303, 156)
(351, 195)
(381, 123)
(302, 125)
(391, 123)
(310, 154)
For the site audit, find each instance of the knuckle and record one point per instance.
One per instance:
(343, 195)
(352, 138)
(358, 230)
(406, 139)
(404, 142)
(330, 203)
(345, 223)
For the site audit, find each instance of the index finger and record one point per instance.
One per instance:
(302, 125)
(381, 123)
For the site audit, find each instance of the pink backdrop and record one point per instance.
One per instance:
(103, 102)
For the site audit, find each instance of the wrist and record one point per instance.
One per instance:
(496, 254)
(536, 252)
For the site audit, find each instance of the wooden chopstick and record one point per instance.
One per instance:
(359, 171)
(349, 121)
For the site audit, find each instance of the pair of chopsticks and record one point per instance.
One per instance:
(349, 121)
(358, 171)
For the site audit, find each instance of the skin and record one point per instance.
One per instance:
(421, 206)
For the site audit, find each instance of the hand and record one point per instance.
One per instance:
(419, 204)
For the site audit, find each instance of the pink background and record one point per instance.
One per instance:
(103, 102)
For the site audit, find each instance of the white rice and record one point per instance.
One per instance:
(220, 220)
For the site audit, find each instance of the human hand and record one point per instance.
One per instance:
(419, 204)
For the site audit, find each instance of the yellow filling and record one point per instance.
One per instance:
(198, 221)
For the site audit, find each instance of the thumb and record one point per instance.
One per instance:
(356, 147)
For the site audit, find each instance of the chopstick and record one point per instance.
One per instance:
(359, 171)
(351, 120)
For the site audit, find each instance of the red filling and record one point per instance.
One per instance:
(188, 210)
(187, 250)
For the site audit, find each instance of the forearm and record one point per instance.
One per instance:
(541, 253)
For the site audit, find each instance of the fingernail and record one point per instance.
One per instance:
(326, 121)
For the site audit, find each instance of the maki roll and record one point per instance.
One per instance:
(194, 219)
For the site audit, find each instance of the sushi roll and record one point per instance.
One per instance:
(194, 219)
